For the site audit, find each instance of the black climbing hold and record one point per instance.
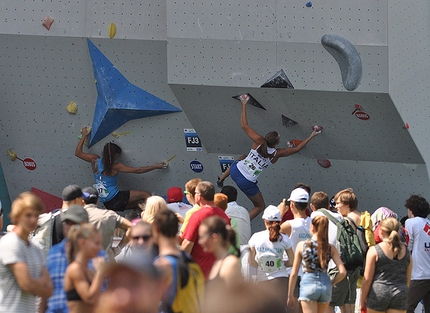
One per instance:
(287, 122)
(279, 80)
(251, 101)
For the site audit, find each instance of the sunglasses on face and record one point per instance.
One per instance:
(145, 238)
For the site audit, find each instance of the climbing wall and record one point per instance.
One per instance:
(195, 56)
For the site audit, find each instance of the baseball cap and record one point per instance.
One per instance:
(71, 192)
(272, 214)
(174, 194)
(90, 193)
(299, 195)
(75, 213)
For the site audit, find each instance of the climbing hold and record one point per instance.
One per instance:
(293, 143)
(251, 101)
(309, 4)
(324, 163)
(72, 108)
(28, 163)
(347, 57)
(279, 80)
(112, 30)
(357, 108)
(406, 126)
(12, 154)
(317, 128)
(287, 122)
(86, 141)
(117, 134)
(47, 22)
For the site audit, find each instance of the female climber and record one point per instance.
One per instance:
(264, 153)
(106, 171)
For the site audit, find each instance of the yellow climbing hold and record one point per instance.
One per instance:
(12, 154)
(72, 108)
(112, 30)
(117, 134)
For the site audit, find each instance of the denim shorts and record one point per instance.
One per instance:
(249, 188)
(315, 287)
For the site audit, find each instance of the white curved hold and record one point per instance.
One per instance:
(347, 57)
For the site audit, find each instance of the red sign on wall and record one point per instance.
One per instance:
(362, 115)
(29, 164)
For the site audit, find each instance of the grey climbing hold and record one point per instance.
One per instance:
(347, 57)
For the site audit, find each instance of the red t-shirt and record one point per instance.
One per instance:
(191, 233)
(289, 215)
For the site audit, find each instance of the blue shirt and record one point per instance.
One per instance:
(105, 185)
(56, 263)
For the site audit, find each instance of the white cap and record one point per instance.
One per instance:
(272, 214)
(299, 195)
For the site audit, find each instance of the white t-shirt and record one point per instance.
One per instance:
(269, 255)
(299, 232)
(14, 250)
(419, 243)
(179, 207)
(241, 215)
(332, 228)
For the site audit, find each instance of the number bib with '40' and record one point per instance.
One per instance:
(270, 263)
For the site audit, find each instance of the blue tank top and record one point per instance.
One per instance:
(105, 185)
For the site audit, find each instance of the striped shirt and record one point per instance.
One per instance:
(15, 250)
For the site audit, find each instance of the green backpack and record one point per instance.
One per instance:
(351, 250)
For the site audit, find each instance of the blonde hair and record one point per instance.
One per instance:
(76, 232)
(153, 205)
(390, 227)
(26, 200)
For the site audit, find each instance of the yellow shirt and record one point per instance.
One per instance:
(195, 208)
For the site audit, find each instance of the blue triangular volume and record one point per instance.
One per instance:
(279, 80)
(118, 100)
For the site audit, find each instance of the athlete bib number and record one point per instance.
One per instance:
(103, 192)
(252, 168)
(270, 263)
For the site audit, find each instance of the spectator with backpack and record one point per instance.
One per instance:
(345, 292)
(50, 229)
(182, 275)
